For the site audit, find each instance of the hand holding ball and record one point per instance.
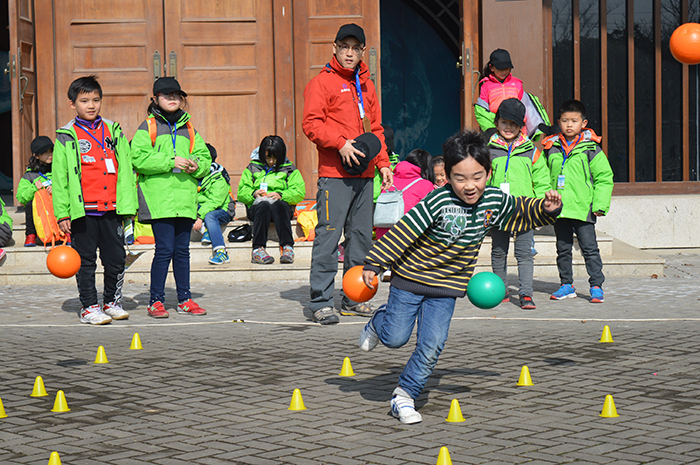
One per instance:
(486, 290)
(63, 261)
(354, 287)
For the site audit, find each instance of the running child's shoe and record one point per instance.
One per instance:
(566, 291)
(219, 258)
(190, 307)
(94, 315)
(597, 295)
(526, 302)
(206, 240)
(368, 337)
(115, 311)
(404, 409)
(157, 310)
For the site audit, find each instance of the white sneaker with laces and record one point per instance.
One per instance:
(94, 315)
(404, 409)
(368, 337)
(115, 311)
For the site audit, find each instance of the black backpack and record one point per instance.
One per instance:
(241, 234)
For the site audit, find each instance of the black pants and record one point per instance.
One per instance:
(585, 233)
(29, 218)
(278, 212)
(106, 233)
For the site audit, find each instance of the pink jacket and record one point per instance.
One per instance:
(494, 91)
(404, 174)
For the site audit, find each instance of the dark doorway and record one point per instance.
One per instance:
(5, 108)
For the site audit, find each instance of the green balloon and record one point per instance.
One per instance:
(486, 290)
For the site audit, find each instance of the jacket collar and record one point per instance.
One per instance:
(587, 135)
(497, 140)
(349, 74)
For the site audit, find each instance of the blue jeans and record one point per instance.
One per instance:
(395, 325)
(172, 237)
(213, 221)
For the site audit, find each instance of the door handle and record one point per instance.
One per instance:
(25, 79)
(373, 65)
(156, 65)
(172, 58)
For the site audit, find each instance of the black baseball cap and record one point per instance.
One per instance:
(351, 30)
(370, 146)
(500, 59)
(512, 109)
(167, 85)
(41, 144)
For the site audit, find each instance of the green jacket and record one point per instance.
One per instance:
(67, 191)
(26, 187)
(588, 178)
(535, 115)
(528, 174)
(4, 215)
(163, 193)
(214, 193)
(286, 180)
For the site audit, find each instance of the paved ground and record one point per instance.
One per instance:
(210, 391)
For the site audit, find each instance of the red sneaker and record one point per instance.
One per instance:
(2, 254)
(157, 310)
(190, 307)
(30, 241)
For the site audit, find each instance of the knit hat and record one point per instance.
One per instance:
(41, 144)
(512, 109)
(370, 146)
(500, 59)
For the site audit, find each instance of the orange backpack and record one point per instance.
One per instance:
(153, 131)
(44, 219)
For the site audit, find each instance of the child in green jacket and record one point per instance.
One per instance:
(5, 228)
(216, 208)
(270, 187)
(518, 170)
(37, 176)
(581, 173)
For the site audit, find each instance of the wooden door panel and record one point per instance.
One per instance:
(225, 62)
(114, 39)
(470, 62)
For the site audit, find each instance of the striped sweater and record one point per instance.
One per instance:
(433, 249)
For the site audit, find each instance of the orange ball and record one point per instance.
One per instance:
(63, 261)
(685, 43)
(354, 287)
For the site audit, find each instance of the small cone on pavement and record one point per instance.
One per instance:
(2, 410)
(39, 389)
(136, 342)
(444, 457)
(347, 368)
(297, 402)
(60, 405)
(101, 355)
(525, 379)
(606, 337)
(455, 415)
(609, 410)
(54, 459)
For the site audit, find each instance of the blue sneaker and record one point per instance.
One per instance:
(597, 295)
(205, 238)
(566, 291)
(219, 258)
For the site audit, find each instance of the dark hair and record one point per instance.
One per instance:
(438, 160)
(37, 166)
(464, 145)
(423, 160)
(573, 105)
(274, 145)
(212, 152)
(83, 85)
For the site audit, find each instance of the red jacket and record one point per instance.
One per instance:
(332, 116)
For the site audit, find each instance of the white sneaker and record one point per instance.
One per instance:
(94, 315)
(368, 337)
(115, 310)
(404, 409)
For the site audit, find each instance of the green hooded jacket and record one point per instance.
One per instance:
(67, 190)
(26, 187)
(214, 193)
(4, 215)
(284, 179)
(163, 193)
(588, 178)
(527, 172)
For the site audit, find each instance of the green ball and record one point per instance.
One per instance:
(486, 290)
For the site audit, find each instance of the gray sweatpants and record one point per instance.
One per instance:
(500, 242)
(342, 204)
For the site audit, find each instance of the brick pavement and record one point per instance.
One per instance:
(210, 391)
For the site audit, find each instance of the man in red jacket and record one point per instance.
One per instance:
(340, 105)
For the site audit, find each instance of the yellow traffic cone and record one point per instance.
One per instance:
(60, 405)
(136, 342)
(297, 402)
(101, 355)
(54, 459)
(347, 368)
(444, 457)
(39, 389)
(609, 410)
(525, 379)
(2, 410)
(455, 415)
(606, 337)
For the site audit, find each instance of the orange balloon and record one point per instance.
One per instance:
(63, 261)
(354, 287)
(685, 43)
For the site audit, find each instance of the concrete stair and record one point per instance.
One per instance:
(28, 265)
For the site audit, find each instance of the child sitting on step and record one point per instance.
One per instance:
(37, 176)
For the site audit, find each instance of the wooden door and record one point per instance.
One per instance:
(115, 40)
(225, 62)
(316, 23)
(470, 63)
(23, 81)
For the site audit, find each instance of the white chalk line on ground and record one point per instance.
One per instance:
(354, 323)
